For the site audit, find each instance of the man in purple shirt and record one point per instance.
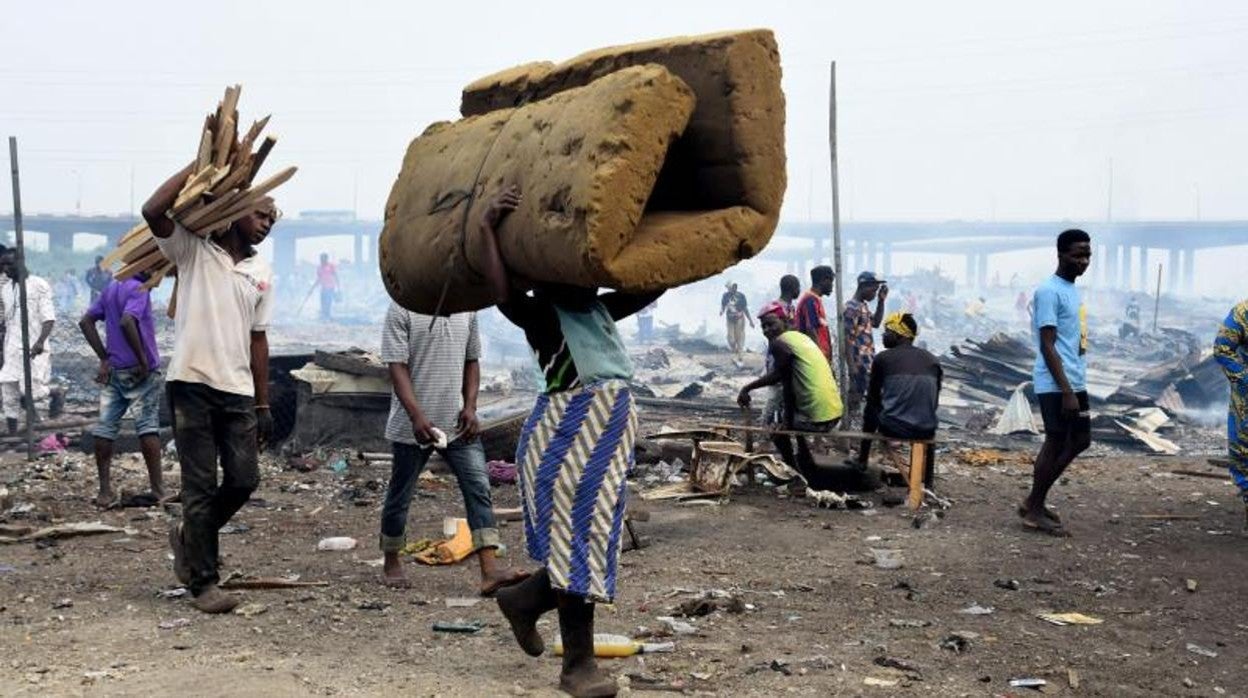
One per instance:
(130, 375)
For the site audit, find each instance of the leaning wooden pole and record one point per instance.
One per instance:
(842, 364)
(24, 312)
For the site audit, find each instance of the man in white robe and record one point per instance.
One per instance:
(40, 319)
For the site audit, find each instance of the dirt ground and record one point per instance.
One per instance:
(84, 616)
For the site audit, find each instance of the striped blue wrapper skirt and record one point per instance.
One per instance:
(574, 453)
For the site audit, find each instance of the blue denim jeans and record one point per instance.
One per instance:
(116, 397)
(467, 461)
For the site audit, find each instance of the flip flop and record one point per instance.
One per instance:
(1022, 511)
(1050, 529)
(517, 577)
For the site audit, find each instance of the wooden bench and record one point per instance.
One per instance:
(921, 462)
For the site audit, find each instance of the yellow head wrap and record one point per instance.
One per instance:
(893, 322)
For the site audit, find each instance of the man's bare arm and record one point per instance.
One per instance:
(260, 366)
(1048, 349)
(162, 200)
(92, 334)
(401, 379)
(492, 266)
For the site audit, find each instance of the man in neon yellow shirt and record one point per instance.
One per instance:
(812, 400)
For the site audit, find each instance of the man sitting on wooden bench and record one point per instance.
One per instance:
(811, 399)
(904, 389)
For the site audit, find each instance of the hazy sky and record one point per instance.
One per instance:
(947, 110)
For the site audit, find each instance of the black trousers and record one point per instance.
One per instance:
(211, 425)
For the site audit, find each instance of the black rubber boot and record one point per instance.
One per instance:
(581, 676)
(523, 604)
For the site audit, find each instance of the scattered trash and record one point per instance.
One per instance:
(250, 610)
(339, 466)
(607, 645)
(977, 610)
(63, 603)
(501, 472)
(1028, 683)
(462, 601)
(235, 528)
(238, 581)
(908, 623)
(459, 626)
(1069, 618)
(1072, 678)
(888, 559)
(1008, 584)
(1017, 416)
(54, 443)
(710, 602)
(372, 605)
(452, 550)
(677, 627)
(1191, 585)
(1202, 651)
(898, 664)
(959, 641)
(337, 543)
(69, 530)
(174, 623)
(882, 683)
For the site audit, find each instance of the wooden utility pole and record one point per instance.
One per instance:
(842, 370)
(24, 313)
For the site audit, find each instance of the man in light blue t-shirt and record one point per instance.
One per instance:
(1060, 324)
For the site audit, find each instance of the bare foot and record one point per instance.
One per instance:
(392, 573)
(105, 499)
(522, 613)
(499, 578)
(587, 681)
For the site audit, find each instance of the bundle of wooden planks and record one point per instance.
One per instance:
(218, 192)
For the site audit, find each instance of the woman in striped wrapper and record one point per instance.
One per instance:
(573, 455)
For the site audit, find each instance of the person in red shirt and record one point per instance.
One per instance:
(812, 319)
(327, 279)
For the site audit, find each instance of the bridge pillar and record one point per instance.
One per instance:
(970, 270)
(357, 249)
(1189, 270)
(1145, 283)
(981, 270)
(284, 254)
(1101, 262)
(887, 264)
(1127, 276)
(1173, 284)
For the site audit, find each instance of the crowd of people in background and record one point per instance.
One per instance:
(217, 383)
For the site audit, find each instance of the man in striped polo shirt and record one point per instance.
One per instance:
(436, 374)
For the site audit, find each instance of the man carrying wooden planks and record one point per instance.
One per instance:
(218, 377)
